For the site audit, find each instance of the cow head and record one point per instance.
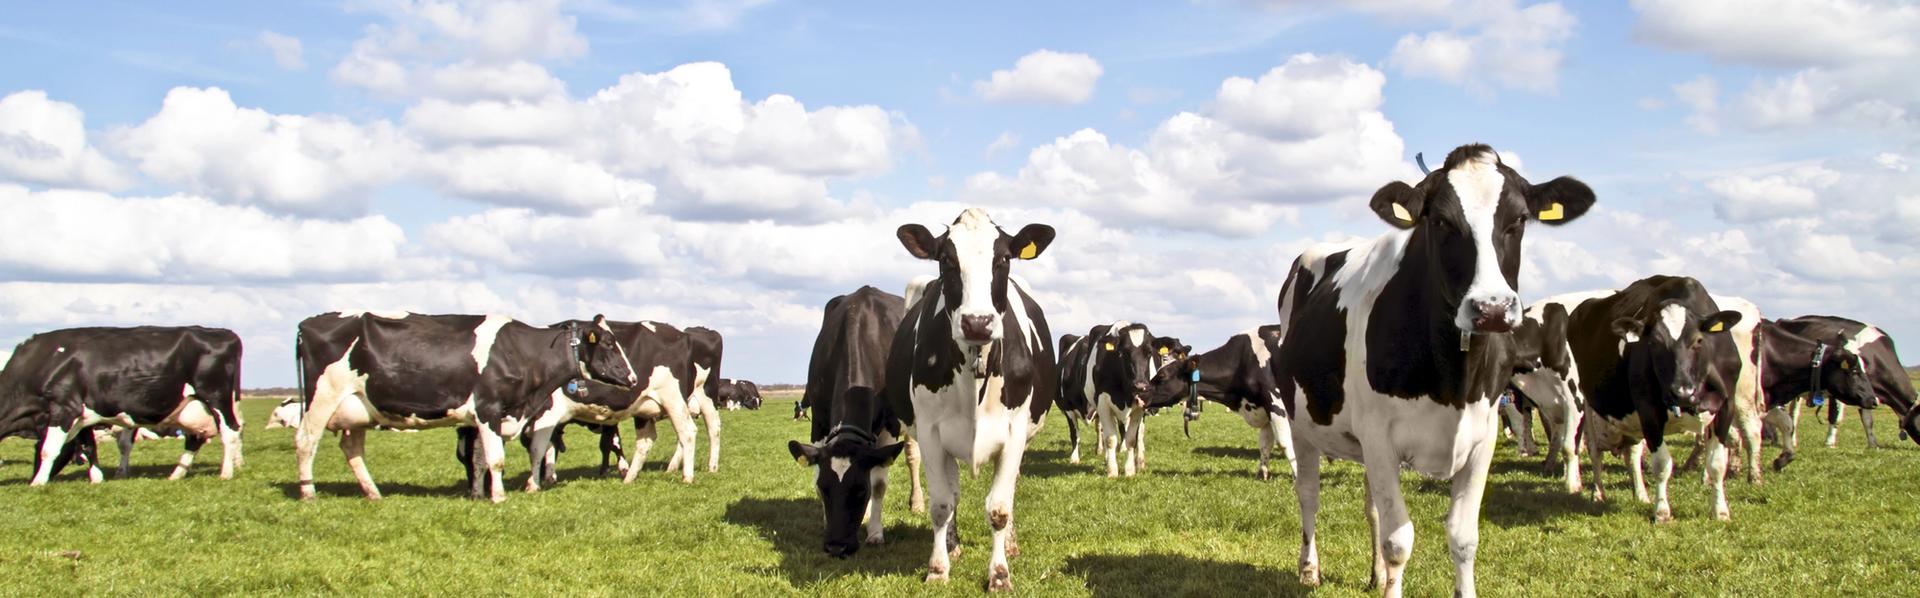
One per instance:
(1843, 374)
(1124, 362)
(975, 256)
(1466, 221)
(600, 355)
(1172, 383)
(1665, 353)
(1168, 350)
(286, 415)
(844, 463)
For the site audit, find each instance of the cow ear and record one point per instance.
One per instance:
(804, 454)
(1559, 201)
(599, 319)
(918, 240)
(1720, 322)
(882, 456)
(1032, 241)
(1397, 203)
(1628, 329)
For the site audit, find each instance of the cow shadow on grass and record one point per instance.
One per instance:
(1112, 575)
(1238, 452)
(794, 528)
(1514, 503)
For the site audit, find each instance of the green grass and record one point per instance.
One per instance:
(1838, 522)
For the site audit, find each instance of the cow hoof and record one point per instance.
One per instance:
(1662, 516)
(713, 469)
(876, 540)
(939, 576)
(373, 498)
(1310, 576)
(1001, 580)
(1264, 475)
(1723, 515)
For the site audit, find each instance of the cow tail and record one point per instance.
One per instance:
(300, 369)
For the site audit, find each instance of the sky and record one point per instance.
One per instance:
(737, 163)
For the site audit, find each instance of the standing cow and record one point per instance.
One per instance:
(1239, 375)
(855, 432)
(413, 371)
(1882, 364)
(1546, 378)
(1395, 348)
(1794, 365)
(739, 394)
(971, 369)
(59, 384)
(1108, 370)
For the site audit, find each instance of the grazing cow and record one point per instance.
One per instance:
(1545, 377)
(59, 384)
(971, 370)
(1795, 365)
(1073, 403)
(1653, 359)
(412, 371)
(1883, 367)
(739, 394)
(1394, 349)
(1239, 375)
(854, 434)
(285, 415)
(1108, 370)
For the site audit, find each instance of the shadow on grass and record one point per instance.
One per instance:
(794, 528)
(350, 489)
(1238, 452)
(1053, 463)
(1523, 503)
(1179, 575)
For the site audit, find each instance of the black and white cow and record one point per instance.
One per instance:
(739, 394)
(1883, 367)
(664, 361)
(971, 369)
(1795, 366)
(1394, 348)
(1108, 370)
(59, 384)
(413, 371)
(1546, 379)
(1239, 375)
(1656, 358)
(1073, 403)
(855, 432)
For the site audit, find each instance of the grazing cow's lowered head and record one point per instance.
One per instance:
(974, 256)
(844, 462)
(1466, 221)
(1663, 352)
(286, 415)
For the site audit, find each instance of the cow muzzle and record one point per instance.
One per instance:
(1495, 315)
(976, 329)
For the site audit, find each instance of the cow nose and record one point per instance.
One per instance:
(632, 379)
(1140, 388)
(841, 550)
(1491, 315)
(977, 328)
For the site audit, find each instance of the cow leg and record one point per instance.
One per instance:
(1747, 426)
(1395, 543)
(192, 448)
(91, 454)
(230, 459)
(1073, 437)
(1717, 478)
(1520, 424)
(493, 451)
(1306, 487)
(943, 487)
(1109, 442)
(644, 431)
(1136, 440)
(1866, 421)
(1662, 472)
(1599, 457)
(1463, 517)
(539, 457)
(52, 440)
(354, 444)
(1283, 435)
(1006, 476)
(1266, 450)
(1378, 572)
(916, 491)
(1636, 464)
(326, 400)
(876, 495)
(712, 415)
(1834, 415)
(679, 411)
(1785, 422)
(1567, 442)
(124, 440)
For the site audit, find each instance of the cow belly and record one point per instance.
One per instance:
(192, 417)
(949, 416)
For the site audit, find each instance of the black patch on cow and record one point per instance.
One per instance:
(1313, 355)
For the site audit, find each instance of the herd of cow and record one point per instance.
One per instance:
(1401, 351)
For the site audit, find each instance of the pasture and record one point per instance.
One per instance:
(1839, 521)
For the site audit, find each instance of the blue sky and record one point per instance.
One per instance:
(736, 163)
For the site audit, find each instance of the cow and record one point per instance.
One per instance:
(1545, 378)
(972, 371)
(855, 434)
(739, 394)
(1394, 348)
(1656, 358)
(1108, 370)
(1796, 365)
(1238, 375)
(285, 415)
(59, 384)
(417, 371)
(1883, 367)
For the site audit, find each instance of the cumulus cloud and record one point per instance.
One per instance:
(1044, 76)
(1488, 44)
(1259, 152)
(475, 48)
(319, 164)
(1782, 32)
(285, 49)
(44, 141)
(1749, 198)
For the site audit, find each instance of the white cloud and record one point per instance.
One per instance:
(1488, 43)
(1783, 32)
(1701, 96)
(461, 49)
(549, 121)
(1249, 163)
(318, 164)
(1751, 198)
(44, 141)
(1006, 141)
(1044, 76)
(188, 239)
(285, 49)
(533, 177)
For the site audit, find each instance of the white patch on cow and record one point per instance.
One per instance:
(1259, 346)
(1477, 182)
(1863, 338)
(918, 287)
(839, 466)
(1137, 337)
(1672, 319)
(973, 236)
(1368, 267)
(648, 326)
(483, 340)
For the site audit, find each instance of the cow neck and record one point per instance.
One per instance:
(853, 418)
(1415, 319)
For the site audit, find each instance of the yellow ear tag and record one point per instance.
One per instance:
(593, 338)
(1030, 251)
(802, 460)
(1554, 212)
(1163, 350)
(1400, 211)
(1717, 327)
(1109, 346)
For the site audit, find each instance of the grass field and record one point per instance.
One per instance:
(1842, 521)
